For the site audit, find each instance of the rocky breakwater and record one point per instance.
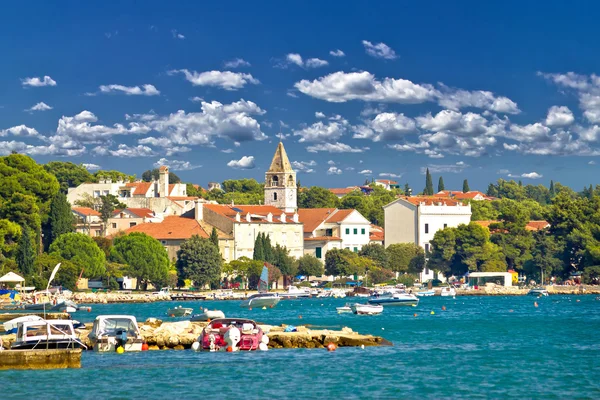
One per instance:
(116, 297)
(182, 334)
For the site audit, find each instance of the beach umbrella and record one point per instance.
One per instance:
(12, 277)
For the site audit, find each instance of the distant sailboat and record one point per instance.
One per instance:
(263, 298)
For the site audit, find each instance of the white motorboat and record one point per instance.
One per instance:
(395, 298)
(426, 293)
(344, 309)
(179, 311)
(295, 293)
(12, 325)
(207, 315)
(448, 291)
(366, 309)
(263, 298)
(538, 291)
(46, 334)
(113, 331)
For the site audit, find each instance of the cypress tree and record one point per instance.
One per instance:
(552, 190)
(259, 253)
(268, 249)
(407, 189)
(441, 184)
(25, 256)
(60, 220)
(466, 186)
(214, 237)
(428, 184)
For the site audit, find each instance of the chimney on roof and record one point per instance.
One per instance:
(295, 217)
(282, 218)
(163, 181)
(248, 217)
(238, 217)
(198, 210)
(269, 217)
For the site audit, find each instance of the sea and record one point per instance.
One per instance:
(467, 347)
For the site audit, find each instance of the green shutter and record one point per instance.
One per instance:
(355, 231)
(347, 231)
(318, 252)
(362, 231)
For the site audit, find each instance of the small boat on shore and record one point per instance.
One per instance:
(366, 309)
(538, 291)
(207, 315)
(46, 334)
(394, 299)
(110, 332)
(233, 334)
(448, 291)
(344, 309)
(426, 293)
(179, 311)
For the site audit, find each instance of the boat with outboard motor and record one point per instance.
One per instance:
(426, 293)
(448, 291)
(46, 334)
(394, 298)
(232, 334)
(345, 309)
(207, 315)
(179, 311)
(538, 291)
(263, 298)
(366, 309)
(295, 293)
(111, 332)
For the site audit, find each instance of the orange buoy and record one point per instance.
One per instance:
(535, 304)
(208, 320)
(511, 310)
(144, 346)
(444, 308)
(299, 316)
(415, 314)
(331, 347)
(229, 349)
(172, 315)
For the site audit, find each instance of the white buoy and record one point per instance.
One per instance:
(195, 346)
(362, 346)
(265, 339)
(263, 347)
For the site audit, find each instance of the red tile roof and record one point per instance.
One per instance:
(88, 212)
(339, 216)
(313, 217)
(455, 194)
(342, 191)
(531, 225)
(163, 168)
(430, 200)
(138, 212)
(323, 239)
(386, 181)
(140, 188)
(170, 228)
(262, 211)
(376, 233)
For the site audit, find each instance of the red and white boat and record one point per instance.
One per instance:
(233, 334)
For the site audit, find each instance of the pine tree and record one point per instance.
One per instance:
(441, 185)
(60, 220)
(25, 252)
(214, 237)
(259, 253)
(552, 190)
(466, 186)
(428, 184)
(520, 183)
(407, 189)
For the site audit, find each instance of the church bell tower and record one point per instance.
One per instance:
(280, 182)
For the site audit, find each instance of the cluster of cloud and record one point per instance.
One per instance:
(304, 166)
(38, 82)
(176, 165)
(379, 50)
(236, 63)
(296, 59)
(223, 79)
(41, 106)
(246, 162)
(144, 90)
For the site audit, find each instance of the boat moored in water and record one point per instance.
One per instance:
(263, 298)
(395, 298)
(179, 311)
(366, 309)
(207, 315)
(295, 293)
(46, 334)
(448, 291)
(344, 309)
(426, 293)
(233, 334)
(538, 291)
(12, 325)
(110, 332)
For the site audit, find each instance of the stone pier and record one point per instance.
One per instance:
(40, 359)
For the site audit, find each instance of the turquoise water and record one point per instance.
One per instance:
(480, 347)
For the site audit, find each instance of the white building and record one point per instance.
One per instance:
(330, 228)
(280, 182)
(387, 184)
(417, 219)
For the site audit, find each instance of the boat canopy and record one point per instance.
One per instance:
(51, 329)
(108, 325)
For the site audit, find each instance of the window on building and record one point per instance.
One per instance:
(362, 231)
(163, 242)
(426, 271)
(328, 232)
(347, 231)
(356, 249)
(275, 181)
(106, 193)
(274, 196)
(114, 225)
(427, 247)
(347, 248)
(98, 232)
(318, 252)
(445, 226)
(291, 180)
(96, 193)
(132, 224)
(356, 231)
(426, 228)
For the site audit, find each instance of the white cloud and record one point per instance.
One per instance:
(335, 148)
(569, 80)
(50, 150)
(176, 165)
(449, 168)
(80, 127)
(456, 99)
(559, 116)
(232, 121)
(246, 162)
(227, 151)
(171, 151)
(379, 50)
(177, 35)
(319, 114)
(331, 162)
(334, 171)
(196, 99)
(20, 130)
(304, 166)
(223, 79)
(530, 175)
(37, 82)
(390, 175)
(386, 126)
(124, 150)
(144, 90)
(366, 172)
(587, 89)
(296, 59)
(91, 167)
(236, 63)
(340, 87)
(41, 106)
(320, 132)
(337, 53)
(592, 162)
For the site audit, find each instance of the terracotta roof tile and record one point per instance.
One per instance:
(231, 211)
(313, 217)
(339, 216)
(86, 211)
(376, 233)
(531, 225)
(455, 194)
(342, 191)
(430, 200)
(163, 168)
(386, 181)
(138, 212)
(170, 228)
(140, 188)
(323, 239)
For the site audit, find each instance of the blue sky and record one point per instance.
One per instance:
(358, 89)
